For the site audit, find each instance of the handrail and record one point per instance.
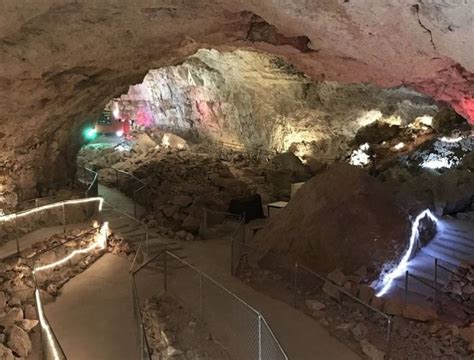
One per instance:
(72, 194)
(140, 317)
(436, 290)
(154, 257)
(345, 292)
(88, 232)
(216, 283)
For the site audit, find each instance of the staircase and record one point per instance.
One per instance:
(453, 245)
(132, 230)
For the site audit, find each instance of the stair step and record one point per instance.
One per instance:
(454, 244)
(448, 249)
(463, 236)
(445, 256)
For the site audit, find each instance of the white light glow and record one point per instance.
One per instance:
(439, 163)
(359, 157)
(425, 120)
(399, 146)
(10, 217)
(44, 324)
(451, 140)
(119, 133)
(369, 117)
(116, 111)
(385, 283)
(100, 242)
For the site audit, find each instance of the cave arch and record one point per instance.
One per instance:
(60, 61)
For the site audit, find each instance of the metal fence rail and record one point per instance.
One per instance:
(239, 326)
(134, 187)
(303, 280)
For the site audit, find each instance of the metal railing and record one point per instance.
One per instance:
(212, 218)
(51, 347)
(84, 176)
(302, 280)
(252, 337)
(438, 294)
(134, 187)
(14, 226)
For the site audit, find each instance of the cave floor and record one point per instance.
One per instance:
(300, 335)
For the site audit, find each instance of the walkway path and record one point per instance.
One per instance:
(302, 337)
(93, 317)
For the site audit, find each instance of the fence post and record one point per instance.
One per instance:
(389, 337)
(17, 236)
(164, 272)
(435, 281)
(232, 256)
(146, 239)
(295, 286)
(36, 202)
(64, 219)
(406, 287)
(259, 337)
(201, 293)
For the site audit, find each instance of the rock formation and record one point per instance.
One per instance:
(317, 226)
(61, 62)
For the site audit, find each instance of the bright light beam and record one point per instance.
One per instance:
(400, 269)
(10, 217)
(44, 324)
(100, 242)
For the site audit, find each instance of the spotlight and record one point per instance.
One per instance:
(119, 133)
(90, 134)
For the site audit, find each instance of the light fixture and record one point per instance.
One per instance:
(119, 133)
(90, 134)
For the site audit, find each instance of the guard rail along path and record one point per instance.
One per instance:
(237, 325)
(302, 280)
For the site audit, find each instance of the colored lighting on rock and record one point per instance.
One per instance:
(385, 283)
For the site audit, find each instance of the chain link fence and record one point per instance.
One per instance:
(234, 323)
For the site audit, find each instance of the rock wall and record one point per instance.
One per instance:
(60, 62)
(260, 101)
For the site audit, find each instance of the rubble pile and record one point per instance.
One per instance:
(183, 180)
(461, 287)
(417, 331)
(173, 334)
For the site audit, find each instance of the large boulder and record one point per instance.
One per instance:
(143, 143)
(340, 218)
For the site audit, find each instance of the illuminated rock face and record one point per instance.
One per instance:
(259, 100)
(61, 61)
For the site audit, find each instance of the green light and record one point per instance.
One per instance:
(90, 134)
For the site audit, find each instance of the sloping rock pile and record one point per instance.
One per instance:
(340, 218)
